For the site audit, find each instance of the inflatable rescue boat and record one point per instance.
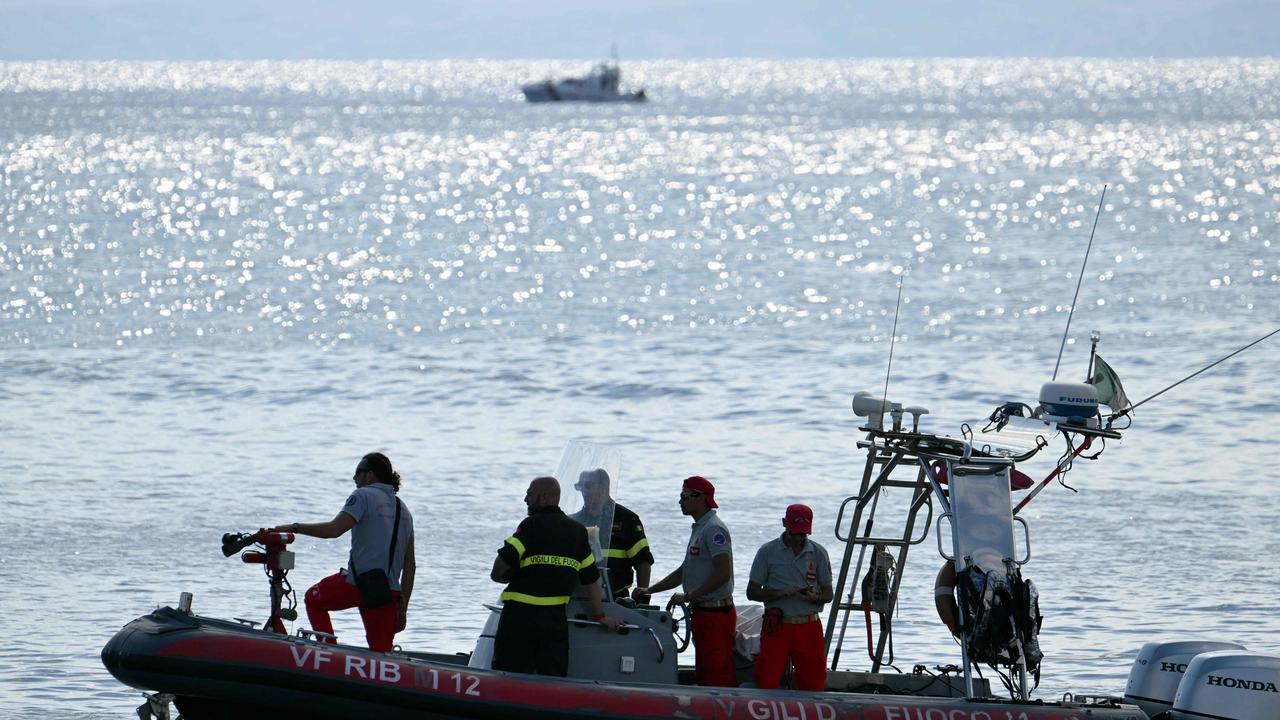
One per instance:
(211, 668)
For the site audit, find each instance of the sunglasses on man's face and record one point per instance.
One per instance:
(687, 495)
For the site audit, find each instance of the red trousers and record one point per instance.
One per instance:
(335, 593)
(802, 645)
(713, 642)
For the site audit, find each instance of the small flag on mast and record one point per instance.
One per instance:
(1110, 391)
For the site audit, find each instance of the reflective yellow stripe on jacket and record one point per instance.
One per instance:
(514, 542)
(635, 550)
(554, 560)
(534, 599)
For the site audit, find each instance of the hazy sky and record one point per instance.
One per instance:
(401, 29)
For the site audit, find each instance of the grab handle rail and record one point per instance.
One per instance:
(1026, 539)
(662, 652)
(888, 541)
(840, 517)
(972, 469)
(938, 532)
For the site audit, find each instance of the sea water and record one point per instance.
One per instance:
(222, 283)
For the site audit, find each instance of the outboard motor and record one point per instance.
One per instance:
(1231, 685)
(1158, 669)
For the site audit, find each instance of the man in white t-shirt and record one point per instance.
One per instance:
(374, 514)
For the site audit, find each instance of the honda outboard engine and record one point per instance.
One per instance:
(1231, 685)
(1159, 668)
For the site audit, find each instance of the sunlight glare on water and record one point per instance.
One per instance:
(220, 283)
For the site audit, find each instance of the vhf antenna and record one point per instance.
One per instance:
(1079, 280)
(892, 338)
(1134, 406)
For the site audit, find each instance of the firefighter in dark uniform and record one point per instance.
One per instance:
(541, 563)
(628, 559)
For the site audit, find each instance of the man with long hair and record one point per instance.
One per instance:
(381, 539)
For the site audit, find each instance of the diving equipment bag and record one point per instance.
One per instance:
(1001, 617)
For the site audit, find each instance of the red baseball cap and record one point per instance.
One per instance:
(799, 519)
(699, 484)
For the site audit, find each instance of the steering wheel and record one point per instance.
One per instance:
(681, 626)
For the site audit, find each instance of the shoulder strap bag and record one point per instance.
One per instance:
(375, 584)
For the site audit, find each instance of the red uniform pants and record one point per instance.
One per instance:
(713, 642)
(802, 646)
(335, 593)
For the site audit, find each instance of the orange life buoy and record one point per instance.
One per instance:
(944, 596)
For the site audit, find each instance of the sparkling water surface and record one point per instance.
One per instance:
(221, 283)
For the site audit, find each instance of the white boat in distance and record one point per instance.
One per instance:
(600, 85)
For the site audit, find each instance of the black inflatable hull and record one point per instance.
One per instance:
(217, 669)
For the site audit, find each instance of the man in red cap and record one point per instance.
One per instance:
(707, 578)
(791, 575)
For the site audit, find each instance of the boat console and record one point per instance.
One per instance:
(643, 650)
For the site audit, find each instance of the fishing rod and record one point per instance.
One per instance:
(1079, 280)
(1133, 407)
